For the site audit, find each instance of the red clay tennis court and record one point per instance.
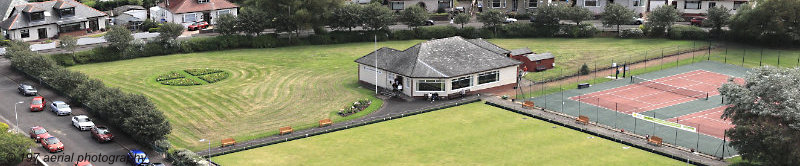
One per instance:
(708, 122)
(647, 95)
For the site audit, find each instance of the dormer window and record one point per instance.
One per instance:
(37, 16)
(66, 12)
(202, 1)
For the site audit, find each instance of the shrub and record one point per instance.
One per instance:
(63, 59)
(468, 32)
(518, 30)
(435, 32)
(3, 127)
(153, 30)
(441, 10)
(185, 157)
(404, 35)
(580, 31)
(682, 32)
(584, 70)
(631, 33)
(212, 78)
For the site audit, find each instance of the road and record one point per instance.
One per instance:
(76, 142)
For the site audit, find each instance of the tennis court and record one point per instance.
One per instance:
(680, 105)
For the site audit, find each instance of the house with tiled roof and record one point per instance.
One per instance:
(186, 12)
(445, 67)
(44, 20)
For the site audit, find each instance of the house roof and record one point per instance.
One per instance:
(441, 58)
(536, 57)
(186, 6)
(19, 19)
(521, 51)
(125, 8)
(7, 5)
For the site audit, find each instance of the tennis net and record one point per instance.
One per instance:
(669, 88)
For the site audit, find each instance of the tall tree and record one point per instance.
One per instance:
(578, 14)
(293, 15)
(492, 18)
(616, 14)
(68, 43)
(775, 22)
(717, 18)
(376, 16)
(119, 37)
(346, 17)
(766, 115)
(13, 147)
(253, 21)
(226, 24)
(661, 19)
(414, 16)
(549, 14)
(462, 18)
(169, 32)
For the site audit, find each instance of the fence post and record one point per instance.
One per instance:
(761, 58)
(662, 59)
(616, 114)
(645, 59)
(744, 53)
(697, 147)
(726, 55)
(562, 91)
(654, 125)
(779, 58)
(694, 45)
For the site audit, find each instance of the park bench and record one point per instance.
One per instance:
(286, 130)
(228, 142)
(528, 104)
(654, 140)
(325, 122)
(582, 119)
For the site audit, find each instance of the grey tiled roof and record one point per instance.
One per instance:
(440, 58)
(7, 5)
(489, 46)
(521, 51)
(536, 57)
(19, 19)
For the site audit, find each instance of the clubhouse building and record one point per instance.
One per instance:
(447, 66)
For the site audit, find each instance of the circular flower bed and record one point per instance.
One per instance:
(191, 77)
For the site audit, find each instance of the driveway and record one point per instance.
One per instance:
(77, 143)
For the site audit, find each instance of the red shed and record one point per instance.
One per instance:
(532, 61)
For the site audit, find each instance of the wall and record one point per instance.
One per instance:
(507, 75)
(704, 5)
(52, 30)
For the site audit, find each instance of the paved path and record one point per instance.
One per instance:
(607, 132)
(392, 108)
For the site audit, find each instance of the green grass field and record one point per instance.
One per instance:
(472, 134)
(297, 86)
(756, 56)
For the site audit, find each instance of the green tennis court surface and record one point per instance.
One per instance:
(470, 134)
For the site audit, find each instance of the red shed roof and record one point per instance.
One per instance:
(186, 6)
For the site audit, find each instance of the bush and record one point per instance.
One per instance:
(441, 10)
(682, 32)
(3, 127)
(518, 30)
(63, 59)
(579, 31)
(468, 32)
(185, 157)
(404, 35)
(435, 32)
(153, 30)
(584, 70)
(631, 33)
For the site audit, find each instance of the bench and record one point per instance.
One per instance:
(654, 140)
(286, 130)
(582, 119)
(228, 142)
(325, 122)
(528, 104)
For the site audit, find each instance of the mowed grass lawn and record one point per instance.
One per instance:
(297, 86)
(472, 134)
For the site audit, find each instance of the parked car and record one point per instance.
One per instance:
(137, 157)
(198, 26)
(429, 22)
(510, 20)
(157, 164)
(83, 163)
(638, 21)
(27, 90)
(101, 134)
(37, 104)
(82, 122)
(697, 21)
(38, 132)
(60, 108)
(52, 144)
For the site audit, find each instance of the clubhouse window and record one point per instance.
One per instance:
(430, 85)
(462, 82)
(488, 77)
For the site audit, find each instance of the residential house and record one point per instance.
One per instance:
(598, 6)
(43, 20)
(130, 16)
(186, 12)
(518, 6)
(699, 8)
(532, 61)
(429, 5)
(443, 66)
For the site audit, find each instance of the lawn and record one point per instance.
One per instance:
(571, 54)
(756, 56)
(472, 134)
(297, 86)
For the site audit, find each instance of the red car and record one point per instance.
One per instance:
(697, 21)
(83, 163)
(52, 144)
(37, 104)
(38, 132)
(198, 26)
(101, 134)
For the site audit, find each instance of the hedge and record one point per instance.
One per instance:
(683, 32)
(133, 114)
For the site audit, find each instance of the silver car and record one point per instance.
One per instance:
(60, 108)
(27, 90)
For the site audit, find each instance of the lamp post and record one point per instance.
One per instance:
(208, 155)
(16, 117)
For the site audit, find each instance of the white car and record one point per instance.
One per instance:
(638, 21)
(82, 122)
(60, 108)
(510, 20)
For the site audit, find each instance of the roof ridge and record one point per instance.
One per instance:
(416, 57)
